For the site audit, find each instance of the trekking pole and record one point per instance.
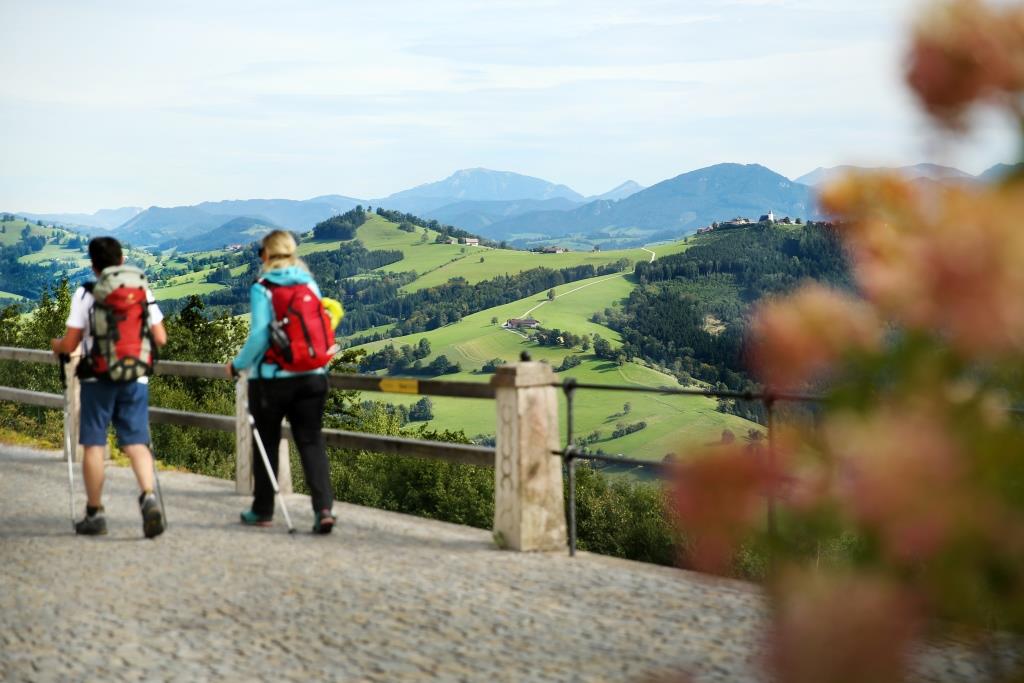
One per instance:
(62, 360)
(159, 491)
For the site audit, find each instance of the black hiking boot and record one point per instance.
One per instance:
(324, 522)
(152, 518)
(92, 525)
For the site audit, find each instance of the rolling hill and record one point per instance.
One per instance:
(673, 423)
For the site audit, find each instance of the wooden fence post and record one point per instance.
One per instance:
(284, 464)
(244, 446)
(529, 506)
(73, 398)
(243, 438)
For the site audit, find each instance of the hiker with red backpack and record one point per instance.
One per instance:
(119, 326)
(290, 343)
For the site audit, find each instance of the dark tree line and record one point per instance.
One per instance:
(446, 231)
(340, 227)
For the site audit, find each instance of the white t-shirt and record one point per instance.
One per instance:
(78, 317)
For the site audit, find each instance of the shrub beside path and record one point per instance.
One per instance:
(387, 597)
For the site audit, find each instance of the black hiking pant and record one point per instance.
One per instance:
(301, 399)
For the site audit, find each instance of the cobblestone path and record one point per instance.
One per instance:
(387, 597)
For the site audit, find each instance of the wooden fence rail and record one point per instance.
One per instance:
(529, 506)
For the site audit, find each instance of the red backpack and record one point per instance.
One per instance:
(300, 334)
(123, 348)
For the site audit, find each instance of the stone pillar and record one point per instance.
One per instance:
(529, 509)
(243, 438)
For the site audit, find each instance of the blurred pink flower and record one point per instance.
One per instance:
(901, 474)
(964, 51)
(840, 630)
(946, 259)
(719, 497)
(801, 336)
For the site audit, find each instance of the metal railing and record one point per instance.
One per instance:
(571, 453)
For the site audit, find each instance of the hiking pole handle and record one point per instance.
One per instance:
(62, 361)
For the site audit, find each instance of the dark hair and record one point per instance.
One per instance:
(104, 252)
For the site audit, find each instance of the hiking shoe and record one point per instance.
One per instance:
(250, 518)
(324, 522)
(152, 518)
(92, 525)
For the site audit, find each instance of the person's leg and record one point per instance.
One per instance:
(97, 407)
(131, 424)
(267, 399)
(306, 415)
(142, 464)
(98, 400)
(92, 473)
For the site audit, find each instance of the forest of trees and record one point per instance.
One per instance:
(665, 320)
(340, 227)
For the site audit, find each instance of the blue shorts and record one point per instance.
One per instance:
(126, 404)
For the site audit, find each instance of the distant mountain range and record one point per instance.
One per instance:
(673, 207)
(104, 219)
(242, 230)
(506, 206)
(926, 171)
(212, 221)
(476, 184)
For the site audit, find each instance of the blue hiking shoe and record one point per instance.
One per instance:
(250, 518)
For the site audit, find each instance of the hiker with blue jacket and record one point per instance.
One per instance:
(289, 345)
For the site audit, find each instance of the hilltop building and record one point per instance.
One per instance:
(767, 218)
(469, 241)
(554, 250)
(520, 323)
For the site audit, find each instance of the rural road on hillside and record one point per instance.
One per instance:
(558, 296)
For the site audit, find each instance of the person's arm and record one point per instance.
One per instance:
(78, 318)
(156, 320)
(159, 334)
(68, 343)
(259, 330)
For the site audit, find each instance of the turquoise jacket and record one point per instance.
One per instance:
(259, 325)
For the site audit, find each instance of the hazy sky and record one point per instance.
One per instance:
(107, 104)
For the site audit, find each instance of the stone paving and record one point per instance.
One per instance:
(387, 597)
